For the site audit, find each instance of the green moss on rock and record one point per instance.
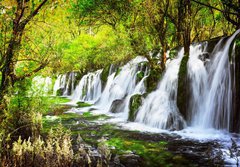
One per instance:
(140, 75)
(152, 80)
(117, 72)
(182, 95)
(83, 104)
(60, 92)
(135, 103)
(104, 75)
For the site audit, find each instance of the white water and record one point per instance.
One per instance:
(210, 101)
(159, 108)
(60, 83)
(56, 85)
(89, 88)
(212, 88)
(122, 86)
(65, 82)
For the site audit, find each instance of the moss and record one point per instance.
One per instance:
(59, 92)
(182, 95)
(153, 153)
(78, 77)
(140, 75)
(152, 80)
(58, 100)
(135, 103)
(83, 104)
(173, 53)
(104, 75)
(117, 72)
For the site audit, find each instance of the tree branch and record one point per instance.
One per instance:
(25, 21)
(209, 6)
(42, 66)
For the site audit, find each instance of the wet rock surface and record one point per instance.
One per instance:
(134, 148)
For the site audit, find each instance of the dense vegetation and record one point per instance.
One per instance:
(48, 37)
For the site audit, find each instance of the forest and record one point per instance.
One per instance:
(119, 83)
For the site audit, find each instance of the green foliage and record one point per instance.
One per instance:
(88, 52)
(134, 105)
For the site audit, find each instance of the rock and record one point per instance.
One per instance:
(60, 92)
(235, 123)
(152, 80)
(117, 72)
(104, 75)
(117, 106)
(135, 103)
(130, 160)
(183, 88)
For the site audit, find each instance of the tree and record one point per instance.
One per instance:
(21, 14)
(230, 10)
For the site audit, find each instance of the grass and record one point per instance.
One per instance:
(57, 100)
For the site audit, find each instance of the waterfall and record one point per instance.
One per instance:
(65, 83)
(89, 88)
(57, 86)
(60, 84)
(212, 88)
(159, 109)
(121, 86)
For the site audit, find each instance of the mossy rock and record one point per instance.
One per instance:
(78, 77)
(142, 67)
(104, 75)
(235, 126)
(83, 104)
(140, 76)
(183, 87)
(117, 72)
(134, 105)
(152, 80)
(60, 92)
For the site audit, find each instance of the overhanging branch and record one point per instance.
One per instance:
(212, 7)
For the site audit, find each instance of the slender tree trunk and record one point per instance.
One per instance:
(184, 24)
(8, 77)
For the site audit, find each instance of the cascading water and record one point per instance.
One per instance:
(68, 90)
(65, 83)
(212, 88)
(122, 86)
(89, 88)
(159, 109)
(57, 86)
(60, 84)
